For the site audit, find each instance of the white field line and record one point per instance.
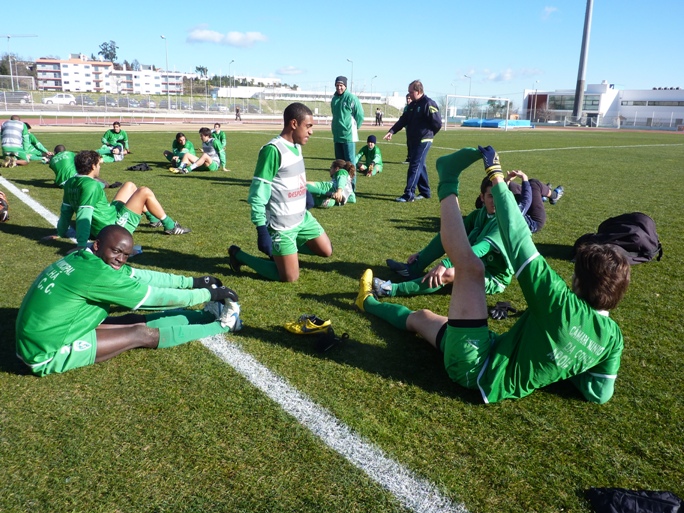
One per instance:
(410, 490)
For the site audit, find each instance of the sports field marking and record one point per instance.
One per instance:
(530, 150)
(412, 492)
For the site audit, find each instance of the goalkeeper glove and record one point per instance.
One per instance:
(206, 282)
(221, 293)
(491, 161)
(264, 241)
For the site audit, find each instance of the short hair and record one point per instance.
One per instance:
(116, 123)
(85, 161)
(205, 131)
(297, 111)
(486, 182)
(602, 272)
(59, 149)
(15, 117)
(416, 86)
(217, 125)
(113, 231)
(179, 135)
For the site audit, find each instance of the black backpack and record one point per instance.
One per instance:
(634, 232)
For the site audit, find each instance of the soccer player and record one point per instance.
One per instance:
(564, 334)
(484, 238)
(347, 118)
(180, 146)
(62, 163)
(115, 138)
(221, 137)
(15, 142)
(83, 195)
(278, 199)
(63, 320)
(36, 150)
(212, 157)
(337, 191)
(422, 122)
(369, 159)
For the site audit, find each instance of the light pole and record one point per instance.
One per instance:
(534, 112)
(371, 99)
(351, 88)
(230, 85)
(470, 83)
(9, 58)
(168, 80)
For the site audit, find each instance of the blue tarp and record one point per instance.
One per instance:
(497, 123)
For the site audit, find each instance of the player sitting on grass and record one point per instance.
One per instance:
(84, 196)
(564, 334)
(485, 241)
(369, 159)
(220, 136)
(213, 156)
(63, 320)
(179, 148)
(115, 142)
(62, 163)
(337, 191)
(278, 199)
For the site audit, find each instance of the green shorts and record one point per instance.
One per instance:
(126, 218)
(465, 352)
(286, 242)
(80, 353)
(211, 167)
(15, 152)
(492, 286)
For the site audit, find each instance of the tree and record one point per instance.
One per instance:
(135, 65)
(108, 51)
(201, 70)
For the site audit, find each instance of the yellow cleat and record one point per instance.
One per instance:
(365, 288)
(308, 325)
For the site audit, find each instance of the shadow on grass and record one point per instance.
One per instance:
(215, 178)
(419, 224)
(40, 183)
(558, 251)
(8, 356)
(36, 233)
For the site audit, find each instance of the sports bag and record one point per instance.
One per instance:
(634, 232)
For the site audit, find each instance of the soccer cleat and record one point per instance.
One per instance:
(557, 194)
(156, 224)
(179, 170)
(382, 288)
(365, 288)
(177, 230)
(233, 262)
(407, 161)
(400, 268)
(402, 199)
(227, 313)
(421, 196)
(308, 325)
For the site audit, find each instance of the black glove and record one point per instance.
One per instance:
(501, 310)
(491, 161)
(206, 282)
(264, 242)
(221, 293)
(114, 185)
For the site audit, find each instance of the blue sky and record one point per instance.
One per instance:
(506, 46)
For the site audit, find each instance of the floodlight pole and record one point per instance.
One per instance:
(370, 110)
(534, 111)
(168, 80)
(9, 57)
(581, 73)
(470, 83)
(351, 85)
(230, 85)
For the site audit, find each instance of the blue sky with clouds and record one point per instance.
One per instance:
(506, 46)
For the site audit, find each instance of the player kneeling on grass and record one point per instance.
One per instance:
(564, 334)
(63, 320)
(84, 195)
(278, 199)
(337, 191)
(213, 156)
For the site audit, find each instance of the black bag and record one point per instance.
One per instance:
(620, 500)
(634, 232)
(139, 167)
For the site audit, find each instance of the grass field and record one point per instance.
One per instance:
(180, 430)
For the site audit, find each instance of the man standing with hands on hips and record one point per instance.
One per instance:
(347, 117)
(422, 121)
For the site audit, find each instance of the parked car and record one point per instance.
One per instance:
(84, 100)
(15, 97)
(252, 109)
(199, 106)
(164, 104)
(60, 99)
(217, 107)
(184, 106)
(148, 104)
(130, 103)
(107, 101)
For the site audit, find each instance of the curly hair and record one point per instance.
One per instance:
(346, 165)
(602, 274)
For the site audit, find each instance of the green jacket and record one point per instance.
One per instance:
(347, 117)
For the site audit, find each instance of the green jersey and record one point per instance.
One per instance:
(278, 191)
(485, 239)
(111, 138)
(15, 136)
(63, 166)
(35, 146)
(220, 137)
(72, 296)
(179, 149)
(559, 336)
(367, 157)
(84, 196)
(347, 117)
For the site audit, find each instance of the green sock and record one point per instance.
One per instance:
(450, 167)
(178, 318)
(168, 223)
(151, 218)
(427, 255)
(263, 267)
(393, 313)
(170, 336)
(413, 288)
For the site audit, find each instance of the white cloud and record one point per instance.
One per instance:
(500, 76)
(201, 34)
(289, 70)
(548, 11)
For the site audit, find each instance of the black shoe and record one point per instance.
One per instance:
(400, 268)
(233, 262)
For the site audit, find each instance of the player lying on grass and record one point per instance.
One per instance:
(213, 156)
(62, 163)
(63, 320)
(180, 146)
(564, 334)
(485, 241)
(83, 195)
(337, 191)
(278, 199)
